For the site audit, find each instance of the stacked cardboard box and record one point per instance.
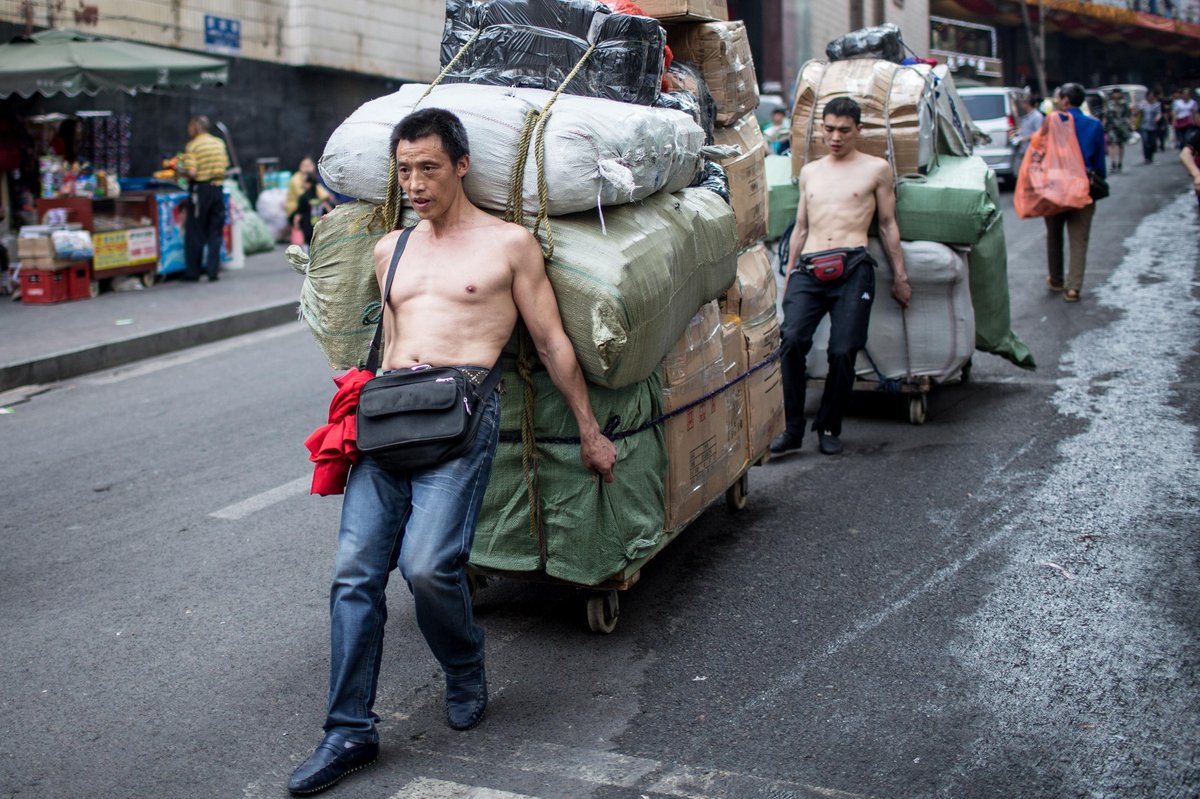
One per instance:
(37, 253)
(721, 50)
(898, 109)
(747, 178)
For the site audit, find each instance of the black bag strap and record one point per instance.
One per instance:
(374, 356)
(489, 383)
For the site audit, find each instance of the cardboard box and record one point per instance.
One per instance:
(756, 287)
(700, 441)
(119, 248)
(733, 346)
(686, 10)
(40, 287)
(45, 263)
(721, 50)
(35, 247)
(764, 388)
(747, 175)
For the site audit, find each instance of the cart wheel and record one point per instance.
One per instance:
(965, 372)
(603, 610)
(735, 495)
(94, 289)
(918, 408)
(475, 584)
(148, 279)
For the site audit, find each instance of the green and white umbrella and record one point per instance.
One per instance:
(70, 62)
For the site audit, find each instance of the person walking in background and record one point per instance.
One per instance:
(1151, 116)
(298, 184)
(1183, 116)
(1031, 121)
(205, 160)
(1189, 156)
(1118, 126)
(309, 207)
(1077, 221)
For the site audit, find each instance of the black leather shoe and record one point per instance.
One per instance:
(829, 443)
(466, 700)
(786, 442)
(333, 759)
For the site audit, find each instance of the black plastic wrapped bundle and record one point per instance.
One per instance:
(536, 44)
(688, 92)
(712, 177)
(883, 42)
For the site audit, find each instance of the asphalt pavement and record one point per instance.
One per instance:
(998, 603)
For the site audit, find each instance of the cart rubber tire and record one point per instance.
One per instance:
(603, 610)
(965, 372)
(475, 584)
(148, 279)
(735, 495)
(918, 408)
(94, 289)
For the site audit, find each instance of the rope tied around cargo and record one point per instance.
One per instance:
(610, 429)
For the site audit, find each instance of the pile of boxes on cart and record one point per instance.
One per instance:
(947, 211)
(664, 288)
(55, 263)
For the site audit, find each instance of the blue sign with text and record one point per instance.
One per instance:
(222, 35)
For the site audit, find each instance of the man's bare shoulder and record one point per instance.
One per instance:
(385, 246)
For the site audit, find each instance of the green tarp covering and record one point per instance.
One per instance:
(591, 530)
(70, 62)
(783, 195)
(987, 267)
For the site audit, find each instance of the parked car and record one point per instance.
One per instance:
(994, 111)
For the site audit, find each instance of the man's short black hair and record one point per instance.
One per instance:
(843, 107)
(432, 122)
(1073, 92)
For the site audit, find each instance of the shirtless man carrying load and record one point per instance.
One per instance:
(461, 282)
(829, 271)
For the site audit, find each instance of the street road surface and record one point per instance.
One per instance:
(1000, 603)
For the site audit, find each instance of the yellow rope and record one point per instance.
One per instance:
(446, 70)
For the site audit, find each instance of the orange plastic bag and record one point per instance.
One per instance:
(1053, 177)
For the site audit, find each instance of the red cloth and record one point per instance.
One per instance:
(332, 446)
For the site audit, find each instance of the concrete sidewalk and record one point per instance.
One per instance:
(46, 343)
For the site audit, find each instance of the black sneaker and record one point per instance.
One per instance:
(829, 443)
(786, 442)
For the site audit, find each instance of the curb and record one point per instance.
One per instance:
(65, 365)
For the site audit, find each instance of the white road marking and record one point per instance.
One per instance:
(240, 510)
(188, 356)
(423, 788)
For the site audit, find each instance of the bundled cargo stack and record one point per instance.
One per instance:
(55, 265)
(610, 175)
(947, 211)
(712, 444)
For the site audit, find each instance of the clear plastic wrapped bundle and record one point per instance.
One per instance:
(883, 42)
(536, 43)
(713, 178)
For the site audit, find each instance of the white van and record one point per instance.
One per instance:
(994, 111)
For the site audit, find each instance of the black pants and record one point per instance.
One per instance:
(806, 300)
(205, 226)
(1149, 142)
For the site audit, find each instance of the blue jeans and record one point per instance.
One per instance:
(805, 301)
(423, 522)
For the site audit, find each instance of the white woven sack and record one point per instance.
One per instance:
(598, 152)
(938, 327)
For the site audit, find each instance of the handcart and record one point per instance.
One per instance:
(915, 389)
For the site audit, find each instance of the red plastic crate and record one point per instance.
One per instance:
(79, 281)
(40, 286)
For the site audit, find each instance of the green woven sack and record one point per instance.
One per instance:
(988, 275)
(950, 205)
(591, 530)
(783, 195)
(340, 296)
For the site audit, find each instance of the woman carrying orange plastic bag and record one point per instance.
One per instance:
(1053, 177)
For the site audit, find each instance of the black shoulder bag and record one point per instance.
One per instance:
(418, 417)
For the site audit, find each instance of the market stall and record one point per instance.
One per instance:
(136, 224)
